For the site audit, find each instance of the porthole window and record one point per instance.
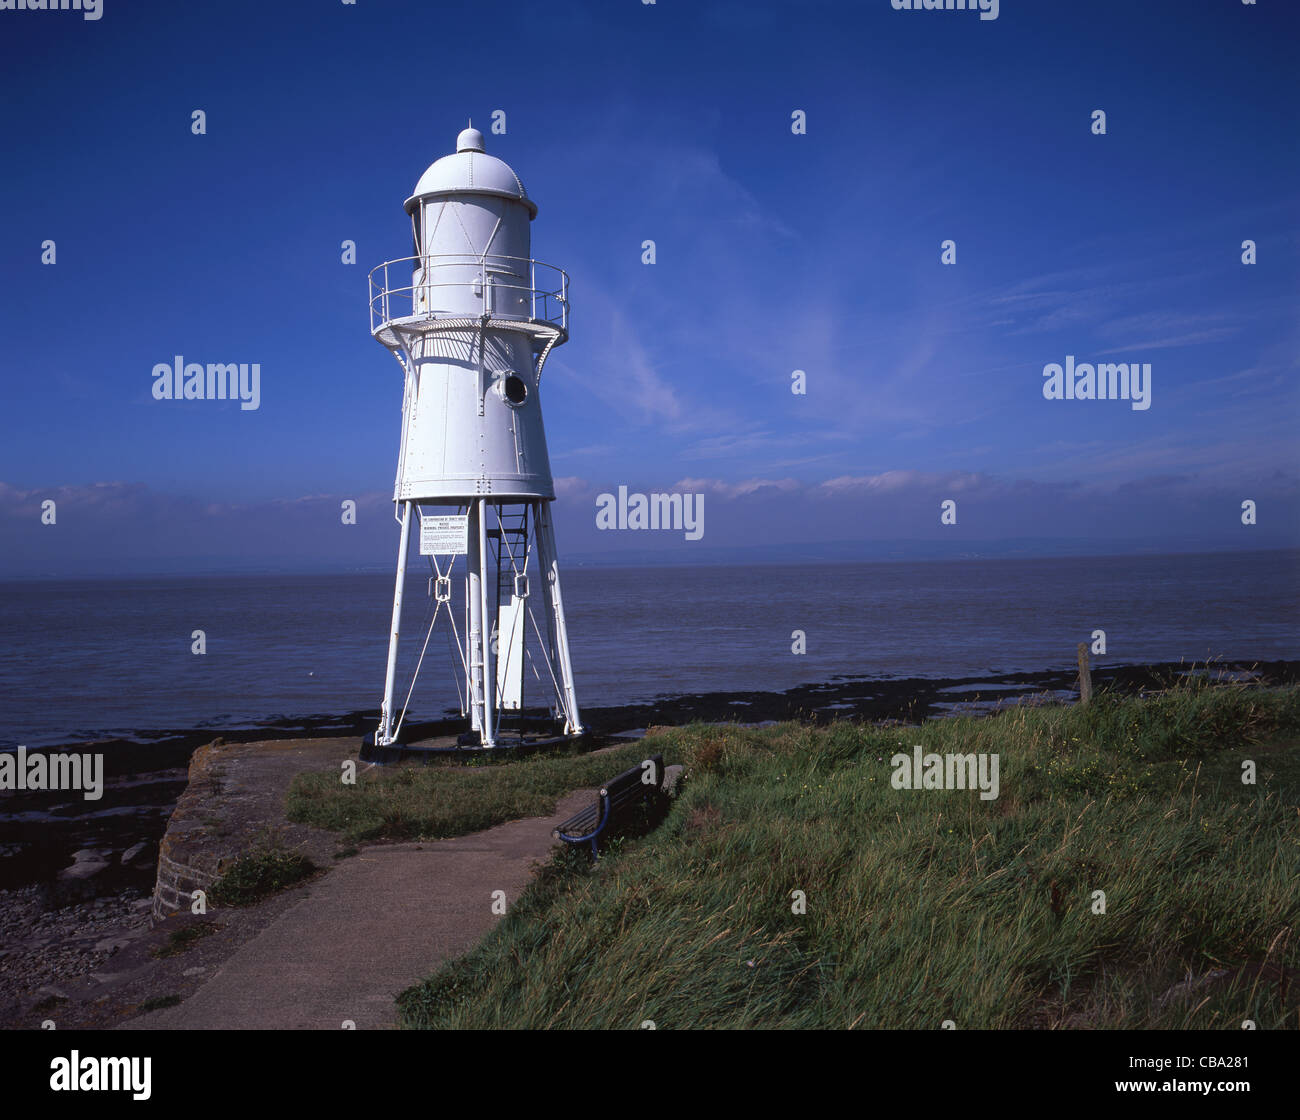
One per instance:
(514, 389)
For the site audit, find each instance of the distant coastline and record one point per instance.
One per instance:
(695, 554)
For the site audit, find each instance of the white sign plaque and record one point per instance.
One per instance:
(444, 535)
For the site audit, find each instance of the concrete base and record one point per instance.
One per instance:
(439, 746)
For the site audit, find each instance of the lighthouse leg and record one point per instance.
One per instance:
(489, 669)
(559, 637)
(384, 735)
(474, 627)
(544, 564)
(478, 640)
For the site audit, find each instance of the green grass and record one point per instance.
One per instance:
(428, 802)
(925, 905)
(258, 874)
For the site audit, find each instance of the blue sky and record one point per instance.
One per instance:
(775, 252)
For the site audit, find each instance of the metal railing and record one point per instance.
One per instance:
(465, 285)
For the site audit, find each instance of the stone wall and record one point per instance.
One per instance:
(190, 857)
(235, 804)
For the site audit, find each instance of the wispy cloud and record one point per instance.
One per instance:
(744, 489)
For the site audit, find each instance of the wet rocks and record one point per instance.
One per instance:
(88, 876)
(97, 872)
(43, 947)
(141, 856)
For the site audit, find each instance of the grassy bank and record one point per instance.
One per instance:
(428, 802)
(926, 905)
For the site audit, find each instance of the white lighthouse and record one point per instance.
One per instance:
(471, 319)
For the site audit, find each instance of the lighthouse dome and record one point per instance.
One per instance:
(470, 171)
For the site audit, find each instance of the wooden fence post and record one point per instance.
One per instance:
(1085, 675)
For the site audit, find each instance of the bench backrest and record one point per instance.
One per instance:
(629, 785)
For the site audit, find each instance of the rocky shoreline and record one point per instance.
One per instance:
(76, 877)
(43, 948)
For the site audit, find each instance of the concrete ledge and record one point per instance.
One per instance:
(234, 802)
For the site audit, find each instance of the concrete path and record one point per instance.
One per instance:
(375, 924)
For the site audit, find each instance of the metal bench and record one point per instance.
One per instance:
(642, 782)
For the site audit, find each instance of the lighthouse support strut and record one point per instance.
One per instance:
(384, 736)
(474, 621)
(557, 632)
(489, 678)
